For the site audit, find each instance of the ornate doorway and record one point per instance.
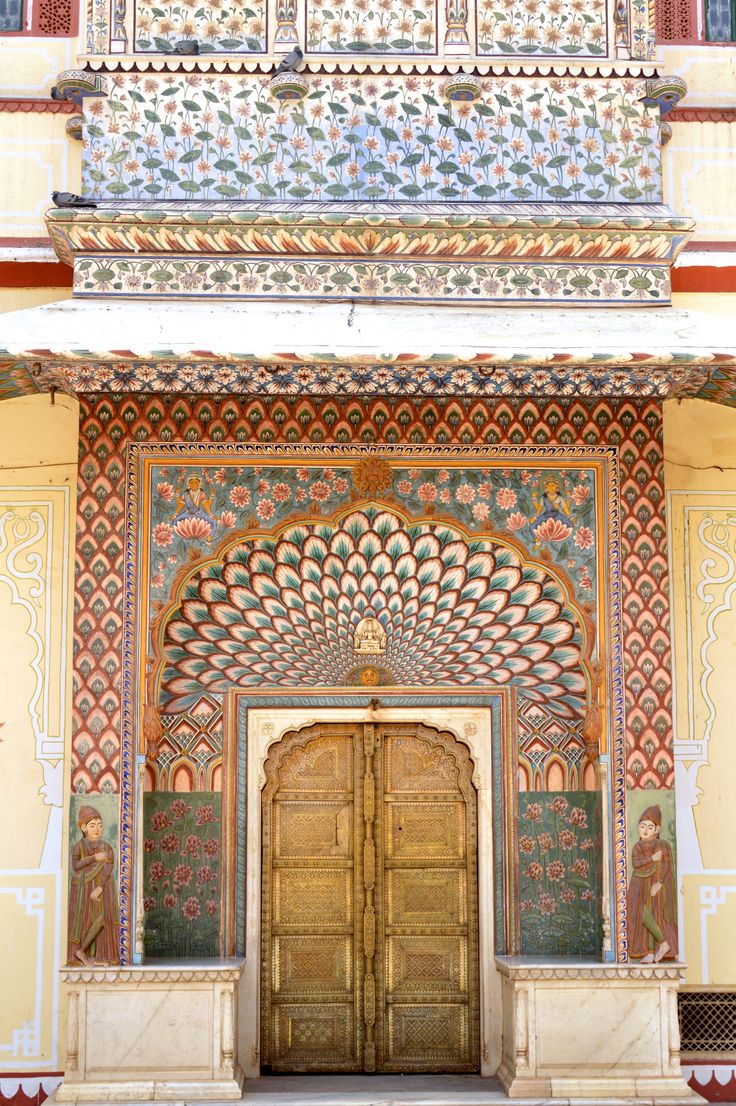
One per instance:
(369, 902)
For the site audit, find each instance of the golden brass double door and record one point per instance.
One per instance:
(369, 909)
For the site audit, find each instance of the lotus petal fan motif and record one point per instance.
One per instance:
(455, 612)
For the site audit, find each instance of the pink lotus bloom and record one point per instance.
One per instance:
(552, 530)
(182, 875)
(534, 870)
(170, 901)
(165, 490)
(556, 871)
(205, 814)
(328, 474)
(265, 509)
(239, 496)
(580, 867)
(427, 492)
(160, 820)
(194, 529)
(302, 474)
(516, 521)
(465, 494)
(481, 512)
(525, 478)
(506, 498)
(339, 486)
(559, 805)
(228, 519)
(157, 581)
(580, 493)
(170, 843)
(219, 475)
(149, 903)
(484, 490)
(179, 808)
(190, 909)
(301, 495)
(211, 846)
(264, 486)
(443, 476)
(445, 495)
(163, 534)
(281, 493)
(319, 491)
(404, 487)
(192, 845)
(547, 904)
(579, 817)
(205, 874)
(583, 537)
(211, 906)
(157, 871)
(533, 812)
(526, 844)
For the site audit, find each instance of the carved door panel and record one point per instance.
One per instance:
(430, 931)
(369, 902)
(308, 976)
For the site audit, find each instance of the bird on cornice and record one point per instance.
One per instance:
(290, 63)
(71, 199)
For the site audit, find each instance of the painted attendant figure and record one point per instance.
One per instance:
(652, 909)
(93, 910)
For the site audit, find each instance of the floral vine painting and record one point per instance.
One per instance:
(181, 875)
(559, 877)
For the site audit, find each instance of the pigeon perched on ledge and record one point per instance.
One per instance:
(70, 199)
(186, 46)
(291, 63)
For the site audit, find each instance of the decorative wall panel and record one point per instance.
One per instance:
(215, 26)
(359, 27)
(192, 136)
(570, 28)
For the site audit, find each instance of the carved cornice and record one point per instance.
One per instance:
(353, 66)
(521, 972)
(37, 104)
(226, 972)
(702, 115)
(642, 232)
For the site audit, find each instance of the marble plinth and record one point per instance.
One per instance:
(152, 1033)
(576, 1031)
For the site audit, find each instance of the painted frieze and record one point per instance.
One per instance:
(216, 26)
(359, 27)
(570, 28)
(186, 136)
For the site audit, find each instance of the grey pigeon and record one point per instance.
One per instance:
(291, 63)
(186, 46)
(70, 199)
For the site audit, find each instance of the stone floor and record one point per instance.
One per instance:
(399, 1090)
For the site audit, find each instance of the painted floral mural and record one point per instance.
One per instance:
(363, 26)
(576, 28)
(217, 25)
(181, 880)
(559, 879)
(189, 136)
(551, 509)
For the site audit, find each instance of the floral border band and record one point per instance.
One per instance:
(404, 280)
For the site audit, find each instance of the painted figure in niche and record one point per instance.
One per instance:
(93, 908)
(370, 636)
(194, 518)
(553, 518)
(652, 907)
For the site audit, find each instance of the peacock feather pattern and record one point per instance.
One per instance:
(455, 611)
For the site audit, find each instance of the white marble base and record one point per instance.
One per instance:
(579, 1031)
(152, 1033)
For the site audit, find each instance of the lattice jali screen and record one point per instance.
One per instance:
(55, 17)
(707, 1021)
(676, 21)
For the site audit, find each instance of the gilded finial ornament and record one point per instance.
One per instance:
(372, 476)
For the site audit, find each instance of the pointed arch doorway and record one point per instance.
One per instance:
(369, 921)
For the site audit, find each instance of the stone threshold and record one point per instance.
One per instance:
(394, 1090)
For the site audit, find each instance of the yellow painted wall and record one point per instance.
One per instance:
(16, 299)
(38, 451)
(700, 477)
(36, 157)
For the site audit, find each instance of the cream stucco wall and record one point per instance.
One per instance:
(700, 475)
(38, 448)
